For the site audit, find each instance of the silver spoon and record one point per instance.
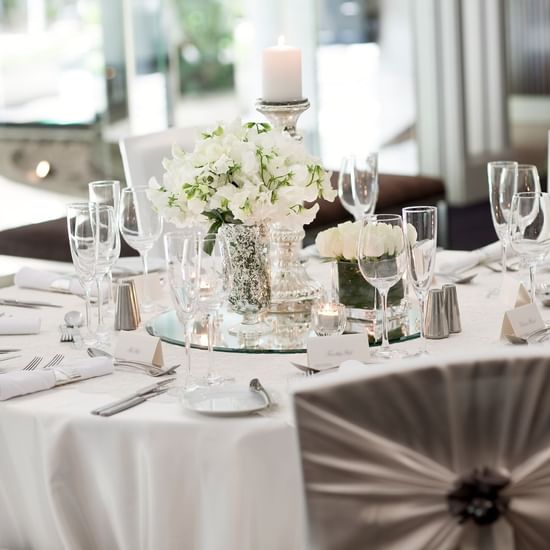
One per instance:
(73, 319)
(459, 279)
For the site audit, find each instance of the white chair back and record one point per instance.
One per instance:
(448, 454)
(142, 158)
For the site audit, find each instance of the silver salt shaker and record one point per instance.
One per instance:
(435, 323)
(451, 307)
(127, 316)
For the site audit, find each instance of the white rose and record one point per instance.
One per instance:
(373, 241)
(412, 234)
(329, 243)
(349, 233)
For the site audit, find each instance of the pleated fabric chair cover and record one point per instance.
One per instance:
(381, 452)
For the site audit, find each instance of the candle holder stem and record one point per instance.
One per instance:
(283, 115)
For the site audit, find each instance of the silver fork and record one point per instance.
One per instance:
(55, 360)
(66, 334)
(33, 363)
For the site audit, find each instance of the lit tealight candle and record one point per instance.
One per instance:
(282, 73)
(329, 319)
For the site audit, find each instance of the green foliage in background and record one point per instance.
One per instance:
(206, 51)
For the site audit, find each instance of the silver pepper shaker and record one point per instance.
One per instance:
(435, 322)
(451, 307)
(127, 316)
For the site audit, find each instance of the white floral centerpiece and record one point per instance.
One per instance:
(245, 173)
(340, 243)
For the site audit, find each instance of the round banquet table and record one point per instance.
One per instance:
(157, 477)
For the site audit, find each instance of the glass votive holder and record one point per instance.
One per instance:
(328, 318)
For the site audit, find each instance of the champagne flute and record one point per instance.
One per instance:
(107, 192)
(364, 184)
(529, 230)
(214, 286)
(105, 231)
(82, 244)
(382, 261)
(183, 263)
(345, 190)
(421, 220)
(140, 226)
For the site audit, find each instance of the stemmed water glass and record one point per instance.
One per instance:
(421, 255)
(107, 192)
(214, 286)
(184, 251)
(358, 184)
(140, 226)
(382, 261)
(82, 231)
(529, 230)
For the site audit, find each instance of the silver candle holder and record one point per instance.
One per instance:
(283, 115)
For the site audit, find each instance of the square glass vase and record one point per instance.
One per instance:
(363, 304)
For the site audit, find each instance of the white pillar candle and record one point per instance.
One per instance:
(282, 73)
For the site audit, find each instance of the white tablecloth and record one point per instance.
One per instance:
(156, 477)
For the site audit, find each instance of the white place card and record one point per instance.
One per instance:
(513, 293)
(326, 352)
(139, 347)
(522, 321)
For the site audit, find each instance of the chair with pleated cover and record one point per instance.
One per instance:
(429, 454)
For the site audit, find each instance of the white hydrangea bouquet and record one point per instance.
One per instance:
(243, 173)
(340, 244)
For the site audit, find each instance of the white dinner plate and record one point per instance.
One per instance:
(233, 400)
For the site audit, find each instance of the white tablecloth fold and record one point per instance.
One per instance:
(27, 277)
(20, 382)
(15, 325)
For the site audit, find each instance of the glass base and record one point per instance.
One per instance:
(388, 353)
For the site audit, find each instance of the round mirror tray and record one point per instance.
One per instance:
(288, 331)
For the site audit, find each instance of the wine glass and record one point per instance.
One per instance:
(529, 230)
(422, 222)
(105, 235)
(364, 184)
(382, 261)
(214, 286)
(82, 243)
(107, 192)
(140, 226)
(358, 184)
(183, 263)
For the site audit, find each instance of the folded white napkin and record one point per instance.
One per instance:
(20, 382)
(468, 260)
(18, 325)
(27, 277)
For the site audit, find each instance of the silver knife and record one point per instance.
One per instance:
(129, 403)
(4, 350)
(22, 303)
(139, 393)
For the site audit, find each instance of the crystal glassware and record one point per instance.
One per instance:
(82, 244)
(529, 230)
(184, 251)
(328, 318)
(503, 179)
(364, 183)
(421, 255)
(382, 261)
(106, 248)
(140, 226)
(214, 285)
(107, 192)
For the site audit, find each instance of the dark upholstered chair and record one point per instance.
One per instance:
(48, 240)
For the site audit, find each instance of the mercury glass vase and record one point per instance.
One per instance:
(292, 289)
(250, 292)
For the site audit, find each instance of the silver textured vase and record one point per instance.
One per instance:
(250, 292)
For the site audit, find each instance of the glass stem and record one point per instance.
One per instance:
(532, 270)
(210, 372)
(98, 285)
(88, 308)
(188, 331)
(146, 295)
(385, 341)
(503, 257)
(424, 343)
(111, 287)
